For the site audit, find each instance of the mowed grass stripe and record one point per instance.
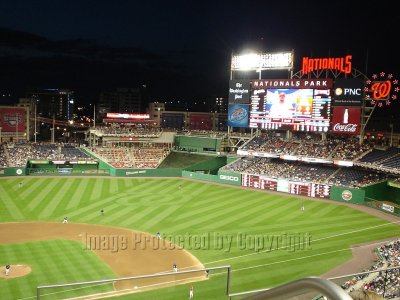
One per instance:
(63, 191)
(282, 211)
(212, 196)
(113, 212)
(161, 186)
(113, 185)
(124, 215)
(136, 216)
(191, 214)
(217, 202)
(46, 190)
(242, 208)
(60, 262)
(347, 228)
(338, 210)
(91, 207)
(268, 205)
(323, 210)
(97, 189)
(31, 187)
(140, 185)
(240, 216)
(169, 186)
(149, 216)
(76, 197)
(210, 216)
(160, 217)
(9, 205)
(306, 219)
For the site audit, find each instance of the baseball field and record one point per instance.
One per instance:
(265, 237)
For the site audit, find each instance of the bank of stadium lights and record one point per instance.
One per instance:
(263, 61)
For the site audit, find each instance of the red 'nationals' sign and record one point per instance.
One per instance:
(346, 120)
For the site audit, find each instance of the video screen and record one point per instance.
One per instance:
(294, 109)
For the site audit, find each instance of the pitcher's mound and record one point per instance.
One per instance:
(15, 271)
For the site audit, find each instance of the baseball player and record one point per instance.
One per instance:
(8, 269)
(191, 292)
(175, 268)
(65, 221)
(158, 235)
(102, 211)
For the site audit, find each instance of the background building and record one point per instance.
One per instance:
(53, 103)
(123, 100)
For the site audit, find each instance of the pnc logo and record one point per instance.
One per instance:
(230, 178)
(352, 92)
(348, 92)
(338, 91)
(347, 195)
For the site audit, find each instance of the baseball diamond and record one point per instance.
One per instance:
(200, 225)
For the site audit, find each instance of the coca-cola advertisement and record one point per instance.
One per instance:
(346, 120)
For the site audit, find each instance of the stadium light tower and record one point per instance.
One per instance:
(262, 61)
(35, 120)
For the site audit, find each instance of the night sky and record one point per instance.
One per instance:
(180, 50)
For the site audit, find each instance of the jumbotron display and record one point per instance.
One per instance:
(287, 104)
(297, 109)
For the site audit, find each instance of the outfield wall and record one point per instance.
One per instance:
(347, 194)
(223, 177)
(12, 171)
(167, 172)
(383, 191)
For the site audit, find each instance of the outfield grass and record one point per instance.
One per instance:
(52, 262)
(202, 210)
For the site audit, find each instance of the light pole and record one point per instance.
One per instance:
(391, 134)
(35, 119)
(159, 117)
(16, 128)
(52, 130)
(94, 116)
(0, 133)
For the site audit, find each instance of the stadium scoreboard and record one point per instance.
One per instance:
(309, 189)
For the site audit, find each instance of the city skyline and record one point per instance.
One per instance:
(178, 50)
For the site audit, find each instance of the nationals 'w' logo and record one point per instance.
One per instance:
(383, 88)
(12, 119)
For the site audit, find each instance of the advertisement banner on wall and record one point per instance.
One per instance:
(348, 92)
(238, 115)
(346, 120)
(347, 194)
(12, 119)
(239, 91)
